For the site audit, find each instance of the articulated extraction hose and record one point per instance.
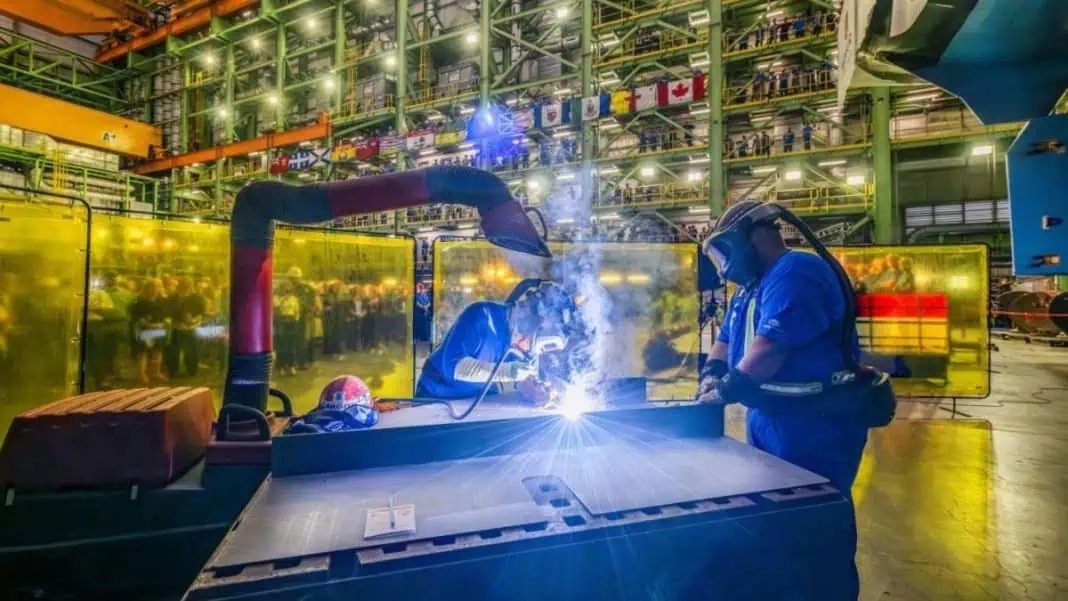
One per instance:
(260, 204)
(849, 320)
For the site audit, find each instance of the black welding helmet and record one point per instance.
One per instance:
(728, 245)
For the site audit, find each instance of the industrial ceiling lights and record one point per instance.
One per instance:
(272, 99)
(561, 12)
(209, 59)
(648, 171)
(255, 43)
(699, 18)
(857, 179)
(471, 38)
(982, 150)
(391, 61)
(328, 83)
(310, 24)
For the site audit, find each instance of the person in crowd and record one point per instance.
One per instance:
(354, 319)
(887, 279)
(784, 83)
(148, 326)
(906, 281)
(287, 327)
(335, 314)
(806, 136)
(799, 25)
(765, 143)
(422, 312)
(186, 309)
(788, 140)
(875, 272)
(106, 326)
(743, 147)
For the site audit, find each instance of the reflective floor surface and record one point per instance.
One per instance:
(972, 505)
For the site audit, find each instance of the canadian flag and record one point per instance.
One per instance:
(679, 92)
(643, 98)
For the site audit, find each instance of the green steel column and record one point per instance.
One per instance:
(714, 91)
(1062, 283)
(339, 53)
(217, 189)
(401, 17)
(588, 188)
(183, 109)
(485, 63)
(885, 214)
(280, 79)
(228, 82)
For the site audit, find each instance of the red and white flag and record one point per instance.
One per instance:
(643, 99)
(680, 91)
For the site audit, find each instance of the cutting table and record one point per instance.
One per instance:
(512, 504)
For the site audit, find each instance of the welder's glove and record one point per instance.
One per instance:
(709, 382)
(534, 391)
(517, 371)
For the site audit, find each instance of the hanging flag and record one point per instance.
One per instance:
(366, 148)
(418, 140)
(450, 137)
(591, 108)
(524, 119)
(279, 165)
(390, 144)
(644, 98)
(549, 115)
(680, 92)
(620, 102)
(699, 90)
(344, 152)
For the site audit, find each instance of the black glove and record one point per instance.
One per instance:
(736, 387)
(710, 380)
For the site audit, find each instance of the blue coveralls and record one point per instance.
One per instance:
(799, 305)
(481, 331)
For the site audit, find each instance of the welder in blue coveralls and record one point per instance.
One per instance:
(783, 333)
(536, 312)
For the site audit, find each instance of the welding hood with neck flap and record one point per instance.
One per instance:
(857, 392)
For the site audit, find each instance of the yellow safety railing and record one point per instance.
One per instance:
(353, 107)
(433, 93)
(661, 42)
(672, 193)
(822, 199)
(753, 93)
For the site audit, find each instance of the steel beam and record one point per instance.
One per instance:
(586, 45)
(886, 230)
(280, 107)
(714, 91)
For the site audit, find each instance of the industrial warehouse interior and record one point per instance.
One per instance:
(614, 300)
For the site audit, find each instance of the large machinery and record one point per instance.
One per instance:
(1008, 61)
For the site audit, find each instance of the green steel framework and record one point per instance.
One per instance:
(113, 88)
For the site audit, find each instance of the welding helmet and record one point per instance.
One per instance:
(729, 246)
(543, 310)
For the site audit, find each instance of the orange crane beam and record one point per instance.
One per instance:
(244, 147)
(76, 124)
(183, 24)
(82, 18)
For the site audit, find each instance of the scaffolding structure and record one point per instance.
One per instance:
(765, 124)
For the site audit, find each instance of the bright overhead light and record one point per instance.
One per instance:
(471, 38)
(221, 112)
(391, 61)
(306, 144)
(855, 180)
(255, 43)
(246, 14)
(562, 92)
(608, 216)
(272, 99)
(701, 108)
(924, 97)
(565, 176)
(763, 170)
(532, 184)
(512, 101)
(700, 210)
(428, 151)
(833, 163)
(561, 12)
(310, 24)
(209, 59)
(775, 13)
(565, 221)
(700, 59)
(698, 18)
(793, 176)
(608, 124)
(562, 134)
(328, 83)
(466, 145)
(609, 170)
(693, 176)
(648, 171)
(982, 150)
(697, 160)
(609, 40)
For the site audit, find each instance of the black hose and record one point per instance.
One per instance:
(849, 319)
(481, 395)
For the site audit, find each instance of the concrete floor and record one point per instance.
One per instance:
(974, 505)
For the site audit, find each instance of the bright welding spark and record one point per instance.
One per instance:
(574, 403)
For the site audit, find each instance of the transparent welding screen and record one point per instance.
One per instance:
(42, 285)
(641, 298)
(926, 308)
(159, 307)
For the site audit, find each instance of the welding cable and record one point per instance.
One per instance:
(481, 395)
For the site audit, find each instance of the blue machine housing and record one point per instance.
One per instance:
(643, 503)
(1038, 178)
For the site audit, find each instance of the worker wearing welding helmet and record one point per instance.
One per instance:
(782, 333)
(534, 318)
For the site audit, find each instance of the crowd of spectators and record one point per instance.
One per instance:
(784, 28)
(770, 83)
(758, 144)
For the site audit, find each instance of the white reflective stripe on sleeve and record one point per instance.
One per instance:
(750, 319)
(470, 369)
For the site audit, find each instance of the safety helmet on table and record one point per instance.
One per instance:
(728, 245)
(350, 395)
